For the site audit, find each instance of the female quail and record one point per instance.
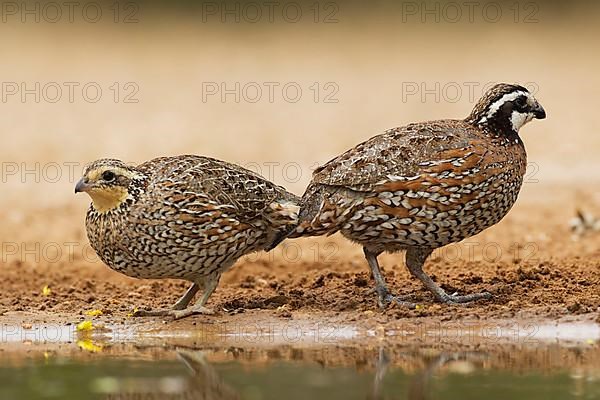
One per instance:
(424, 185)
(184, 217)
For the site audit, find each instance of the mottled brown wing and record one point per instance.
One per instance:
(398, 152)
(202, 179)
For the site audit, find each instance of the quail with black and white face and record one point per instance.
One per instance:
(424, 185)
(185, 217)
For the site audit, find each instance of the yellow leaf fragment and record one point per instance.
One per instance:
(46, 291)
(85, 326)
(93, 313)
(131, 314)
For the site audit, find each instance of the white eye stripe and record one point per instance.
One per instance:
(498, 103)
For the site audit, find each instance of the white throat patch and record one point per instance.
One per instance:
(518, 119)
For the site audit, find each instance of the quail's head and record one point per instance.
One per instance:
(109, 183)
(505, 108)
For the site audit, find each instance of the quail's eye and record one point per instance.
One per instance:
(520, 102)
(108, 176)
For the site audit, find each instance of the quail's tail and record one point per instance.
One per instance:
(310, 220)
(283, 215)
(281, 236)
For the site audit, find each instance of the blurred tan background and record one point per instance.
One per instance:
(368, 57)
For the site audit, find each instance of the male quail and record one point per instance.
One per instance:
(184, 217)
(424, 185)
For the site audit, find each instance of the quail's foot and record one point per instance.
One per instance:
(181, 304)
(387, 298)
(443, 297)
(152, 313)
(179, 314)
(161, 312)
(415, 258)
(468, 298)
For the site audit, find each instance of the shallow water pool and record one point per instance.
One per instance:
(336, 372)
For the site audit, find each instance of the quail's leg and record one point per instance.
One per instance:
(187, 297)
(415, 258)
(181, 304)
(210, 284)
(380, 287)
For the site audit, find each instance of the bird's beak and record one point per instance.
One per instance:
(539, 112)
(82, 186)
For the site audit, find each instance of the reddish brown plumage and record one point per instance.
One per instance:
(425, 185)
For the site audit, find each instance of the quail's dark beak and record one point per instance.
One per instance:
(539, 112)
(82, 185)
